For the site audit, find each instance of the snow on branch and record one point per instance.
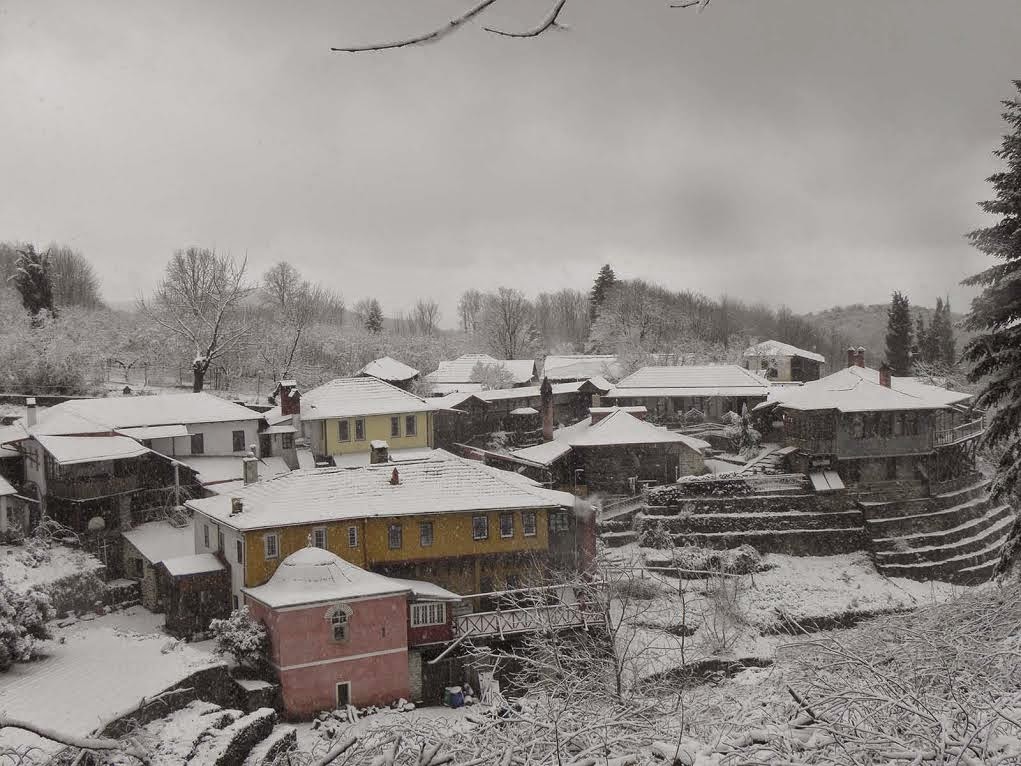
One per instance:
(83, 743)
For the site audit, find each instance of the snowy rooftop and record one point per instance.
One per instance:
(704, 377)
(155, 432)
(528, 392)
(776, 348)
(314, 575)
(69, 450)
(581, 366)
(6, 488)
(460, 370)
(356, 397)
(90, 416)
(159, 540)
(212, 469)
(454, 400)
(445, 389)
(389, 369)
(193, 564)
(618, 428)
(857, 389)
(358, 459)
(441, 483)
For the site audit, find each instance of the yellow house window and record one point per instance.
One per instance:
(411, 425)
(480, 527)
(506, 525)
(528, 523)
(395, 426)
(425, 534)
(352, 537)
(343, 431)
(360, 430)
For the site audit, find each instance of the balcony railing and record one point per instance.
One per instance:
(502, 622)
(90, 487)
(959, 433)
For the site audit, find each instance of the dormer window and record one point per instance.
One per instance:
(339, 618)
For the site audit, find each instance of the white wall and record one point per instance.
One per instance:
(230, 540)
(218, 437)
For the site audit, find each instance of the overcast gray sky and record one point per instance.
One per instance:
(807, 152)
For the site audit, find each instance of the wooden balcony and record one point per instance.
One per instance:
(959, 433)
(90, 487)
(505, 622)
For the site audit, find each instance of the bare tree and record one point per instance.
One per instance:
(548, 22)
(74, 280)
(507, 323)
(201, 299)
(426, 316)
(469, 310)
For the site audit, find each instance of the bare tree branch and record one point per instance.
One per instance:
(429, 37)
(549, 22)
(85, 743)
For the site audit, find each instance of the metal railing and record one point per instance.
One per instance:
(502, 622)
(959, 433)
(617, 506)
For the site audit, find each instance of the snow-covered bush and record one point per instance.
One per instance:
(730, 418)
(23, 618)
(635, 589)
(492, 376)
(79, 592)
(742, 560)
(244, 638)
(652, 534)
(694, 416)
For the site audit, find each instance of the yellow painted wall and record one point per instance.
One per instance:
(378, 427)
(452, 536)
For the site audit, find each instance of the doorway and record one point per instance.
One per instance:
(343, 694)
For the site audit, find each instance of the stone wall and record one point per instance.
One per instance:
(608, 468)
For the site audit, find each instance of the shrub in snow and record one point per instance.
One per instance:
(243, 638)
(652, 534)
(23, 619)
(12, 536)
(694, 416)
(731, 418)
(636, 589)
(742, 560)
(79, 592)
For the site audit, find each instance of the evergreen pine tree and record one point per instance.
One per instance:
(898, 335)
(945, 346)
(374, 318)
(921, 336)
(33, 282)
(995, 353)
(605, 279)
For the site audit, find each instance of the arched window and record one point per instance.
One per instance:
(339, 618)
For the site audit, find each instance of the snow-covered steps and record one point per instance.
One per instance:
(618, 539)
(978, 518)
(762, 520)
(929, 521)
(967, 568)
(794, 542)
(914, 506)
(970, 537)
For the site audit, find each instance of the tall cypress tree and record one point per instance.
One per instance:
(605, 279)
(374, 319)
(898, 334)
(943, 330)
(995, 353)
(921, 335)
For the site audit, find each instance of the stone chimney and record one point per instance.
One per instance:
(30, 412)
(885, 374)
(395, 478)
(859, 357)
(237, 505)
(250, 469)
(851, 356)
(546, 406)
(288, 397)
(379, 452)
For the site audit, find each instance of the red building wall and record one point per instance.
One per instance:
(310, 663)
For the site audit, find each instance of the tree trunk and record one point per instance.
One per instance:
(198, 377)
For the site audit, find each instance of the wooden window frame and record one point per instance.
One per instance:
(352, 537)
(426, 540)
(276, 545)
(395, 427)
(529, 524)
(315, 534)
(428, 613)
(412, 421)
(504, 517)
(234, 440)
(359, 429)
(395, 537)
(559, 522)
(343, 430)
(198, 440)
(239, 551)
(484, 520)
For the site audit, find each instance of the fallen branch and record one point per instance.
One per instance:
(83, 743)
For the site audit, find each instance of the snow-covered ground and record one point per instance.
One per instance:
(94, 671)
(20, 572)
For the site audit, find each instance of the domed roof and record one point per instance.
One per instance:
(312, 575)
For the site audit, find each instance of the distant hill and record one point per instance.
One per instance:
(866, 325)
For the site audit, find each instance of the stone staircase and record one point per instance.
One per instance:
(956, 536)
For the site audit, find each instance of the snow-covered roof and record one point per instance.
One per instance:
(524, 411)
(159, 540)
(389, 369)
(154, 432)
(528, 392)
(581, 366)
(281, 429)
(857, 389)
(357, 459)
(454, 400)
(692, 380)
(638, 409)
(196, 563)
(440, 483)
(426, 591)
(776, 348)
(212, 469)
(69, 450)
(13, 433)
(618, 428)
(357, 397)
(460, 370)
(314, 575)
(444, 389)
(90, 416)
(6, 488)
(274, 416)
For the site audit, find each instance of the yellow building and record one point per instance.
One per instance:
(455, 522)
(346, 415)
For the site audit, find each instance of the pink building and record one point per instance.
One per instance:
(340, 635)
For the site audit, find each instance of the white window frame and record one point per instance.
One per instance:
(428, 613)
(507, 516)
(276, 545)
(205, 535)
(475, 534)
(333, 618)
(315, 535)
(400, 537)
(411, 420)
(422, 526)
(559, 522)
(529, 523)
(395, 426)
(352, 537)
(359, 425)
(341, 425)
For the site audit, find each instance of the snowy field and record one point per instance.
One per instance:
(94, 671)
(21, 573)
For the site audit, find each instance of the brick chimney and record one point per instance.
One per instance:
(546, 406)
(851, 356)
(288, 397)
(250, 469)
(30, 412)
(885, 375)
(859, 357)
(379, 452)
